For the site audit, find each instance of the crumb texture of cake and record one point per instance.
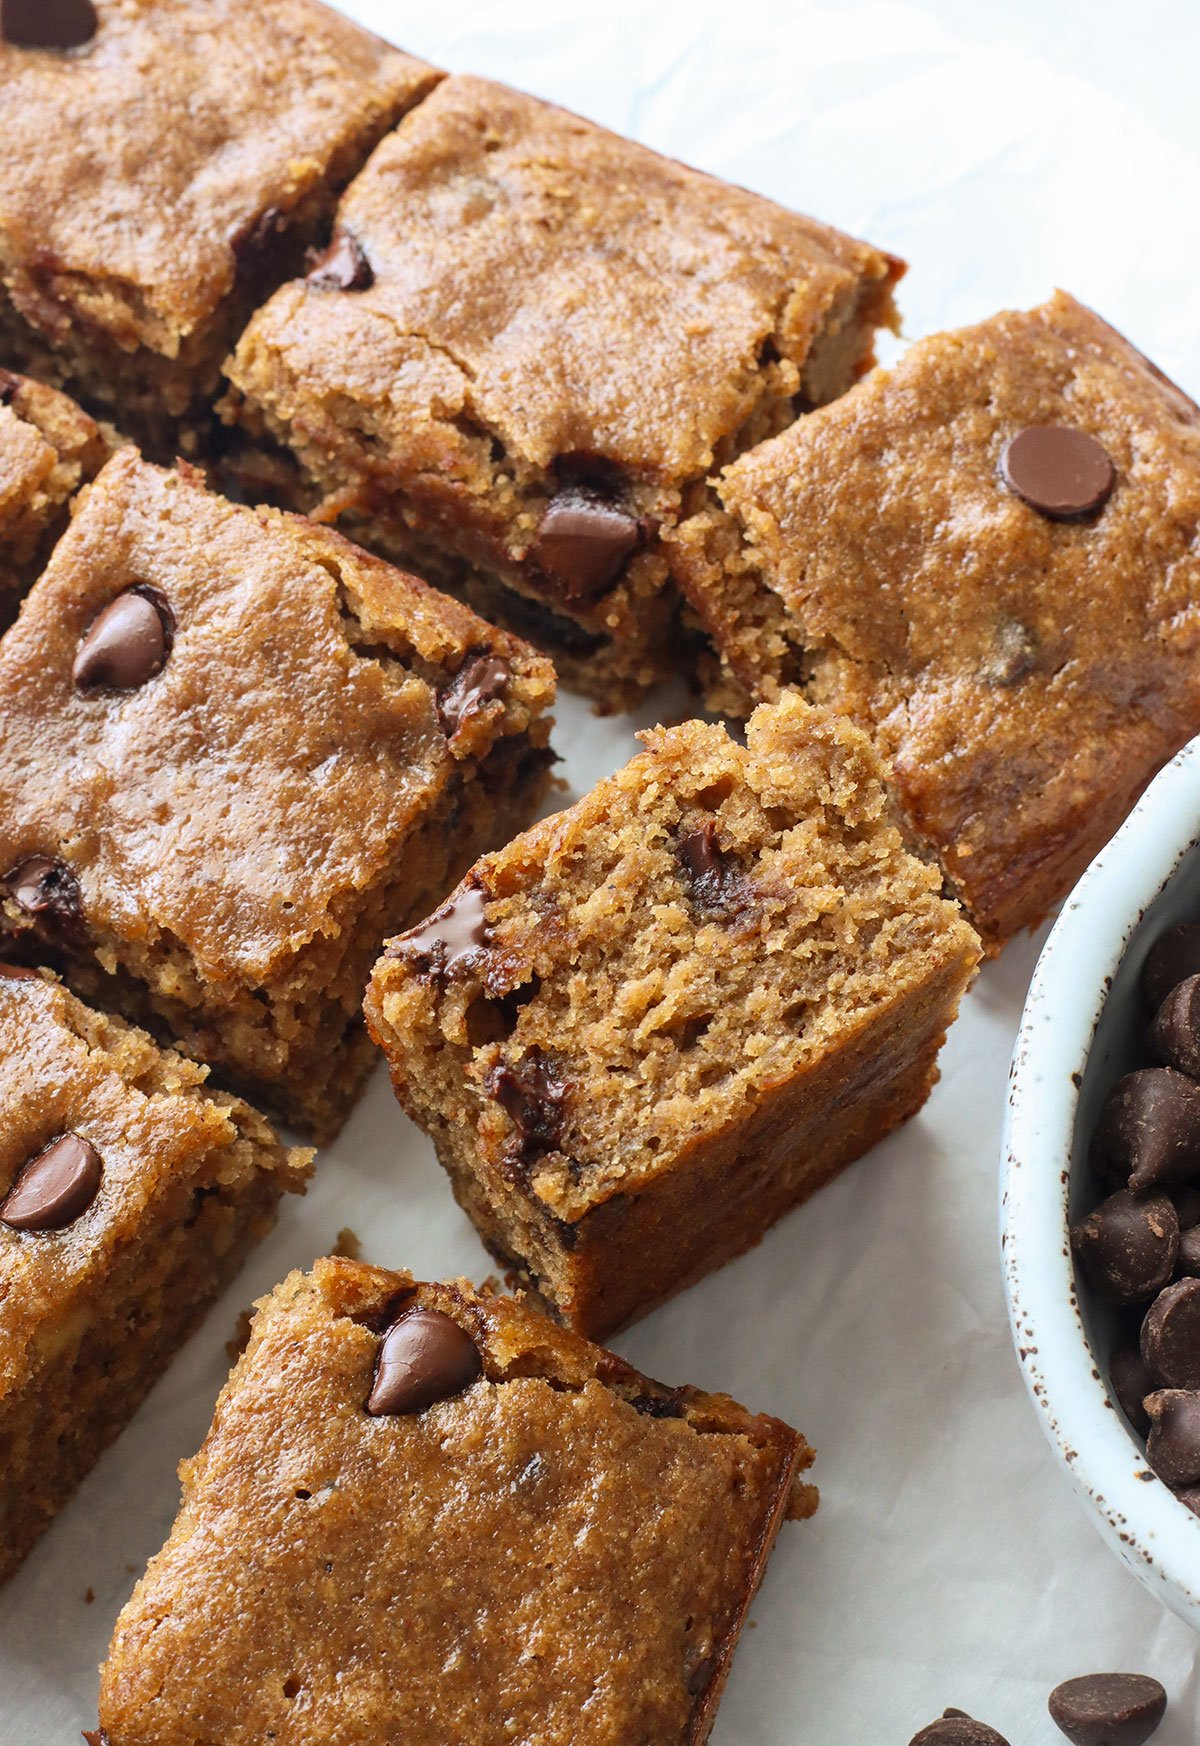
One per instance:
(530, 341)
(234, 752)
(987, 556)
(658, 1020)
(511, 1536)
(129, 1193)
(207, 145)
(49, 447)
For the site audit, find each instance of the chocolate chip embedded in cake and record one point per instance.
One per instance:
(229, 769)
(436, 1495)
(1002, 586)
(136, 242)
(129, 1192)
(657, 1021)
(529, 343)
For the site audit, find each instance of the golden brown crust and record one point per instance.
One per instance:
(568, 1537)
(49, 447)
(1025, 677)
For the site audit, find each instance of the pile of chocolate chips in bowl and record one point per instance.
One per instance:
(1140, 1248)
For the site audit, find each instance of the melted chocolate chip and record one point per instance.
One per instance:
(47, 891)
(1061, 472)
(343, 266)
(47, 24)
(424, 1357)
(700, 1676)
(1128, 1247)
(481, 679)
(55, 1188)
(1172, 958)
(714, 879)
(658, 1406)
(1173, 1446)
(532, 1093)
(1108, 1709)
(1150, 1126)
(127, 643)
(956, 1728)
(1171, 1336)
(583, 543)
(454, 934)
(1175, 1032)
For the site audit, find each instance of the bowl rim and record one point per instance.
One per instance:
(1153, 1533)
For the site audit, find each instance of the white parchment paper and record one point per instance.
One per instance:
(1002, 150)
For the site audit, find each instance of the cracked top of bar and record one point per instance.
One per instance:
(241, 797)
(137, 166)
(1025, 674)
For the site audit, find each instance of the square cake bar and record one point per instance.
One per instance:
(655, 1022)
(165, 164)
(530, 342)
(129, 1193)
(988, 556)
(49, 447)
(236, 753)
(425, 1513)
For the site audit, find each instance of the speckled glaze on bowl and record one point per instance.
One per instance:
(1079, 1033)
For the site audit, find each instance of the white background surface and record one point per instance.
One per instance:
(1002, 150)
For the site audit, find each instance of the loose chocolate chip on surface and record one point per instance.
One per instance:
(425, 1357)
(1173, 1447)
(54, 1188)
(1150, 1124)
(1175, 1033)
(1061, 472)
(1128, 1247)
(343, 266)
(1108, 1709)
(583, 543)
(47, 24)
(481, 679)
(956, 1728)
(47, 890)
(1188, 1263)
(1171, 1336)
(127, 644)
(714, 878)
(1189, 1497)
(1172, 958)
(452, 934)
(1131, 1382)
(532, 1092)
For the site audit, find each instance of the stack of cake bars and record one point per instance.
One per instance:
(345, 405)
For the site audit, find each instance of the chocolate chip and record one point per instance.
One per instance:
(1131, 1382)
(1108, 1709)
(700, 1676)
(47, 24)
(453, 934)
(1128, 1247)
(1175, 1033)
(1171, 1336)
(481, 679)
(532, 1093)
(1172, 958)
(127, 644)
(1186, 1200)
(956, 1728)
(48, 891)
(658, 1406)
(425, 1357)
(9, 384)
(54, 1188)
(1150, 1124)
(1061, 472)
(714, 879)
(583, 543)
(1173, 1447)
(1188, 1263)
(1189, 1497)
(343, 266)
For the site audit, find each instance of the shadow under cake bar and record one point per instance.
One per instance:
(49, 447)
(988, 556)
(235, 753)
(656, 1021)
(529, 343)
(430, 1510)
(129, 1193)
(165, 164)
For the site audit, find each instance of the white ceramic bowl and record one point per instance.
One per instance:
(1082, 1028)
